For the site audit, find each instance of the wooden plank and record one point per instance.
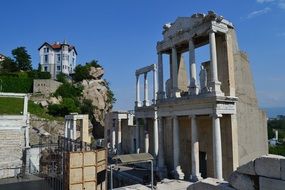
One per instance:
(101, 155)
(75, 159)
(75, 175)
(89, 185)
(76, 187)
(89, 158)
(90, 173)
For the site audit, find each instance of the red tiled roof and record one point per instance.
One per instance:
(56, 46)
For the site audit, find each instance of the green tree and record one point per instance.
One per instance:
(82, 72)
(8, 65)
(22, 59)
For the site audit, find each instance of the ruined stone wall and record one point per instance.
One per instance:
(236, 80)
(128, 135)
(251, 120)
(11, 152)
(45, 86)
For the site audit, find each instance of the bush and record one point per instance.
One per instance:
(15, 84)
(66, 107)
(67, 90)
(82, 72)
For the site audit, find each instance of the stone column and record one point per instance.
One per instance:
(26, 101)
(119, 137)
(146, 139)
(137, 136)
(65, 129)
(215, 83)
(178, 174)
(145, 102)
(174, 73)
(162, 171)
(154, 83)
(113, 137)
(155, 135)
(160, 76)
(195, 174)
(193, 88)
(217, 147)
(74, 128)
(138, 102)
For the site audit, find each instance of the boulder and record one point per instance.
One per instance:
(96, 73)
(247, 168)
(54, 100)
(210, 184)
(44, 103)
(269, 166)
(271, 184)
(282, 164)
(241, 181)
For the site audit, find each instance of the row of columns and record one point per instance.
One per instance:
(159, 146)
(146, 101)
(193, 87)
(116, 136)
(70, 129)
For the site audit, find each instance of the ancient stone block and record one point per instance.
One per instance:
(282, 170)
(210, 184)
(241, 181)
(247, 168)
(268, 166)
(271, 184)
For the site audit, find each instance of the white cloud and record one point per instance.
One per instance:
(264, 1)
(279, 3)
(259, 12)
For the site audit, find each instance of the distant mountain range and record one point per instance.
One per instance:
(274, 111)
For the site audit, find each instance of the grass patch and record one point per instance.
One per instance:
(14, 106)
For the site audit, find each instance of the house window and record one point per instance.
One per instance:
(46, 68)
(58, 57)
(46, 58)
(73, 60)
(58, 68)
(46, 50)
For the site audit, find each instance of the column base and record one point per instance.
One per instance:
(177, 173)
(160, 95)
(193, 90)
(194, 178)
(216, 89)
(146, 103)
(138, 103)
(175, 94)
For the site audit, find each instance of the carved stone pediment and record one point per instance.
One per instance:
(184, 24)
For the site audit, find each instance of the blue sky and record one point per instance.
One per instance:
(122, 35)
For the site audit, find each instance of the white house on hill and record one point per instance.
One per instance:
(58, 57)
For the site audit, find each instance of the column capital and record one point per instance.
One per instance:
(212, 31)
(216, 115)
(192, 116)
(174, 117)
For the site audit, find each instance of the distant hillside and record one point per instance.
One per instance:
(274, 111)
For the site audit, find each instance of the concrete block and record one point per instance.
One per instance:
(282, 170)
(247, 168)
(210, 184)
(269, 166)
(271, 184)
(241, 181)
